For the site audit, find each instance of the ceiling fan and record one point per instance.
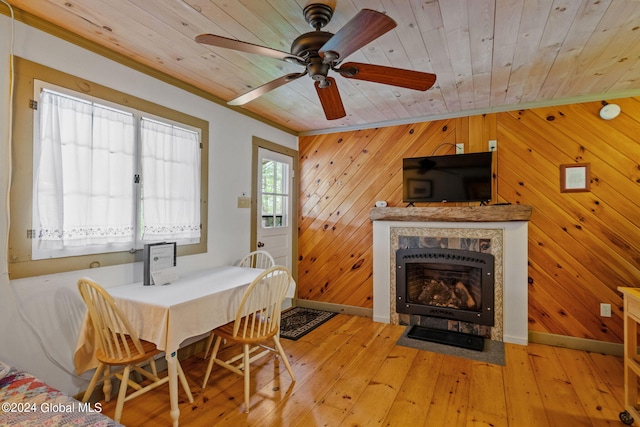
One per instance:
(321, 51)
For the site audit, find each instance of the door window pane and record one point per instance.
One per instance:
(275, 193)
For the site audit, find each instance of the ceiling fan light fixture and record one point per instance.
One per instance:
(610, 111)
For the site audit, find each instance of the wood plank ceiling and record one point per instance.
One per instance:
(488, 55)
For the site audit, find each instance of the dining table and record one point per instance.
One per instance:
(167, 315)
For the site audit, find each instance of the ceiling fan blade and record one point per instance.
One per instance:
(330, 99)
(362, 29)
(267, 87)
(219, 41)
(409, 79)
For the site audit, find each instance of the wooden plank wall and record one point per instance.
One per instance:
(582, 246)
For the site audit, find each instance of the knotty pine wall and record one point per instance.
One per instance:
(582, 246)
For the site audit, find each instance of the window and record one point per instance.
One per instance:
(275, 193)
(170, 183)
(90, 168)
(106, 177)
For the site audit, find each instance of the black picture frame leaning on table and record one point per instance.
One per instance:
(157, 257)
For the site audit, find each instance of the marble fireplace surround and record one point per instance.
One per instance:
(505, 225)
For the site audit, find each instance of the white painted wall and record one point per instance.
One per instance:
(51, 304)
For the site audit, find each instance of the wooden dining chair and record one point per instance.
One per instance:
(119, 345)
(257, 259)
(257, 322)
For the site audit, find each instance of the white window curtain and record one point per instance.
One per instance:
(170, 182)
(84, 172)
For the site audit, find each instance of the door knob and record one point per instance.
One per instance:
(260, 245)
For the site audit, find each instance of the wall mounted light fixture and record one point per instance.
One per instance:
(610, 111)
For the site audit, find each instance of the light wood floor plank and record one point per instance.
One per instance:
(524, 403)
(340, 399)
(412, 404)
(323, 344)
(609, 371)
(450, 400)
(332, 361)
(378, 396)
(559, 396)
(350, 372)
(487, 404)
(596, 397)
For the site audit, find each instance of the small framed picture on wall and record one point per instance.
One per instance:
(574, 178)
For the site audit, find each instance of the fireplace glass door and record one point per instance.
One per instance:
(448, 283)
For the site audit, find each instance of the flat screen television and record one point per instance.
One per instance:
(451, 178)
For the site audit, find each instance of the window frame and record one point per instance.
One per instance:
(20, 231)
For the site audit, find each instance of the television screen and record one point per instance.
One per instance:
(451, 178)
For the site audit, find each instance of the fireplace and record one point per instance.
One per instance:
(503, 228)
(451, 284)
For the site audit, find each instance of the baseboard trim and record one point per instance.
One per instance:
(575, 343)
(335, 308)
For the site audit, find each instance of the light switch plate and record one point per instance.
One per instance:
(244, 202)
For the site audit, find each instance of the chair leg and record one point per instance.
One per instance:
(122, 393)
(211, 361)
(247, 378)
(208, 346)
(152, 364)
(92, 384)
(185, 384)
(283, 356)
(106, 387)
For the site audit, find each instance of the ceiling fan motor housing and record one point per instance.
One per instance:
(307, 45)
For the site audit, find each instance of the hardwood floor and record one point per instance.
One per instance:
(350, 372)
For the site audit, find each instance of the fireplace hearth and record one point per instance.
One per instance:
(452, 284)
(456, 339)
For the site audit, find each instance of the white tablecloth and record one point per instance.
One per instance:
(169, 314)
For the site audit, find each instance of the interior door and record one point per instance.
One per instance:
(274, 228)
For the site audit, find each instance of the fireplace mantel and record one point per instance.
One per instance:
(492, 213)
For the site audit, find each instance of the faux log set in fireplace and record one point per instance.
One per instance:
(447, 283)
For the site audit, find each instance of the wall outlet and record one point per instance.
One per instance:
(460, 148)
(605, 310)
(493, 145)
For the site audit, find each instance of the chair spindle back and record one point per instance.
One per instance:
(116, 337)
(259, 312)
